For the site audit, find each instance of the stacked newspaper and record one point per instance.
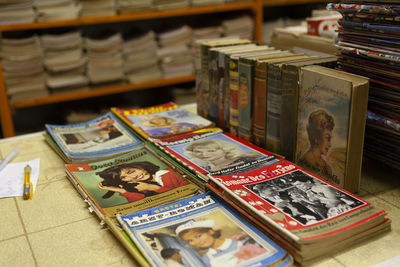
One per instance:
(131, 6)
(175, 56)
(22, 67)
(205, 2)
(141, 59)
(64, 61)
(48, 10)
(170, 4)
(92, 8)
(241, 26)
(104, 58)
(16, 11)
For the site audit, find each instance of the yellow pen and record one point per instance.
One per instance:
(28, 188)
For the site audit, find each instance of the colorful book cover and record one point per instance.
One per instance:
(201, 231)
(103, 136)
(128, 183)
(328, 142)
(161, 121)
(297, 204)
(213, 152)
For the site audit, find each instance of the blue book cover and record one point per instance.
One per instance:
(101, 137)
(200, 231)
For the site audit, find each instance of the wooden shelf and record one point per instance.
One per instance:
(267, 3)
(133, 16)
(56, 98)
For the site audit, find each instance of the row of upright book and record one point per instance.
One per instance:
(368, 42)
(23, 11)
(71, 60)
(176, 191)
(291, 104)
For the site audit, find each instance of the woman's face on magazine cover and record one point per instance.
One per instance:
(208, 153)
(134, 175)
(324, 142)
(199, 239)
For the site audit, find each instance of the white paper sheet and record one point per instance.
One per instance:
(12, 178)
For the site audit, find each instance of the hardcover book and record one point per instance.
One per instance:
(216, 70)
(306, 214)
(212, 152)
(246, 90)
(161, 121)
(331, 123)
(200, 231)
(290, 98)
(101, 138)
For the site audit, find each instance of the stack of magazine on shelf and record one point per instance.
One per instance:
(151, 194)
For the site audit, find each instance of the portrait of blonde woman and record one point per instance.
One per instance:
(215, 154)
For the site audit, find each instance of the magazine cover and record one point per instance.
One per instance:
(200, 231)
(297, 203)
(161, 121)
(102, 136)
(210, 151)
(128, 183)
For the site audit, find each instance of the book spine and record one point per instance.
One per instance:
(273, 108)
(212, 113)
(259, 104)
(245, 98)
(221, 92)
(288, 123)
(233, 89)
(227, 93)
(202, 104)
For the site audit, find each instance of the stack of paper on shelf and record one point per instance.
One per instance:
(22, 63)
(48, 10)
(16, 11)
(241, 26)
(205, 2)
(174, 53)
(170, 4)
(92, 8)
(94, 140)
(104, 54)
(131, 6)
(179, 233)
(297, 40)
(369, 45)
(64, 61)
(141, 59)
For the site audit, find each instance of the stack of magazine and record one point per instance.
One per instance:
(97, 139)
(187, 194)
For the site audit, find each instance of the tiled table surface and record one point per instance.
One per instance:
(55, 228)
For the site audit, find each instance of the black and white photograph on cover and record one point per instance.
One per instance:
(304, 198)
(208, 240)
(94, 138)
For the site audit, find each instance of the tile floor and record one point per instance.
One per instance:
(55, 228)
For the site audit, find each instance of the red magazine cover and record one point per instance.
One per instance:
(299, 205)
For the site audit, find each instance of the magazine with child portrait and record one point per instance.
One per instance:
(131, 182)
(210, 151)
(200, 231)
(161, 121)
